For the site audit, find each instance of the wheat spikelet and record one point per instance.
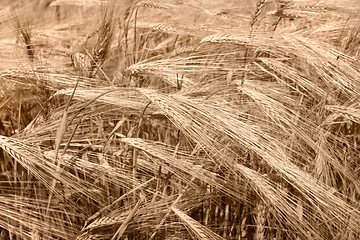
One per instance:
(317, 8)
(350, 112)
(9, 146)
(260, 222)
(196, 229)
(102, 45)
(183, 50)
(163, 28)
(103, 221)
(85, 3)
(127, 98)
(257, 12)
(151, 4)
(52, 80)
(81, 62)
(213, 12)
(25, 36)
(220, 38)
(159, 70)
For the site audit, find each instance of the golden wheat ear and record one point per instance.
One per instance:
(81, 62)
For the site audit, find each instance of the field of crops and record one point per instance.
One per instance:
(179, 119)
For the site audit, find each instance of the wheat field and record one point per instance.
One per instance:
(179, 119)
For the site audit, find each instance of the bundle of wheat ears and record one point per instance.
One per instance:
(192, 119)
